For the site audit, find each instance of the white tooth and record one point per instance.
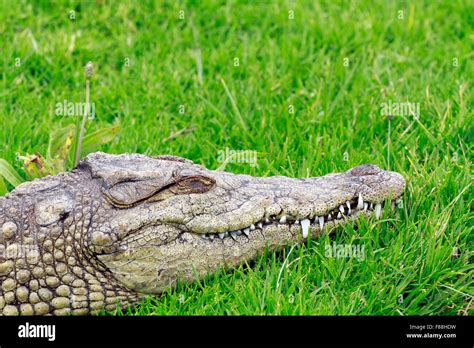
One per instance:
(297, 222)
(252, 227)
(221, 235)
(226, 234)
(371, 206)
(233, 234)
(321, 222)
(348, 207)
(341, 209)
(267, 221)
(283, 219)
(260, 225)
(360, 202)
(211, 236)
(339, 215)
(246, 231)
(329, 217)
(366, 206)
(238, 232)
(305, 227)
(378, 211)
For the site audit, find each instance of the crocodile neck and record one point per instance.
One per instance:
(49, 269)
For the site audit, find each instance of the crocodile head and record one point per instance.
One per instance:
(165, 219)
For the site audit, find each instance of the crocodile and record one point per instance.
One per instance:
(121, 227)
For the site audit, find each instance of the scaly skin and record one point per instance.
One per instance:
(119, 227)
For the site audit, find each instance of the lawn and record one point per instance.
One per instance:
(309, 86)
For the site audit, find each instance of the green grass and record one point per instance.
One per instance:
(425, 57)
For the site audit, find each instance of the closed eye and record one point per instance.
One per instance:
(183, 186)
(193, 184)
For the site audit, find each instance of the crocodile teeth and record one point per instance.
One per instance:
(341, 209)
(360, 202)
(366, 206)
(234, 235)
(378, 211)
(283, 219)
(329, 217)
(348, 207)
(321, 222)
(211, 236)
(267, 220)
(252, 227)
(221, 235)
(339, 215)
(305, 227)
(260, 225)
(246, 231)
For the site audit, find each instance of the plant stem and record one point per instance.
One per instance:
(84, 118)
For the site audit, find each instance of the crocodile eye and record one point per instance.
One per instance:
(194, 184)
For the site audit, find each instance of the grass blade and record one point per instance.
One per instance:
(94, 140)
(9, 173)
(3, 187)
